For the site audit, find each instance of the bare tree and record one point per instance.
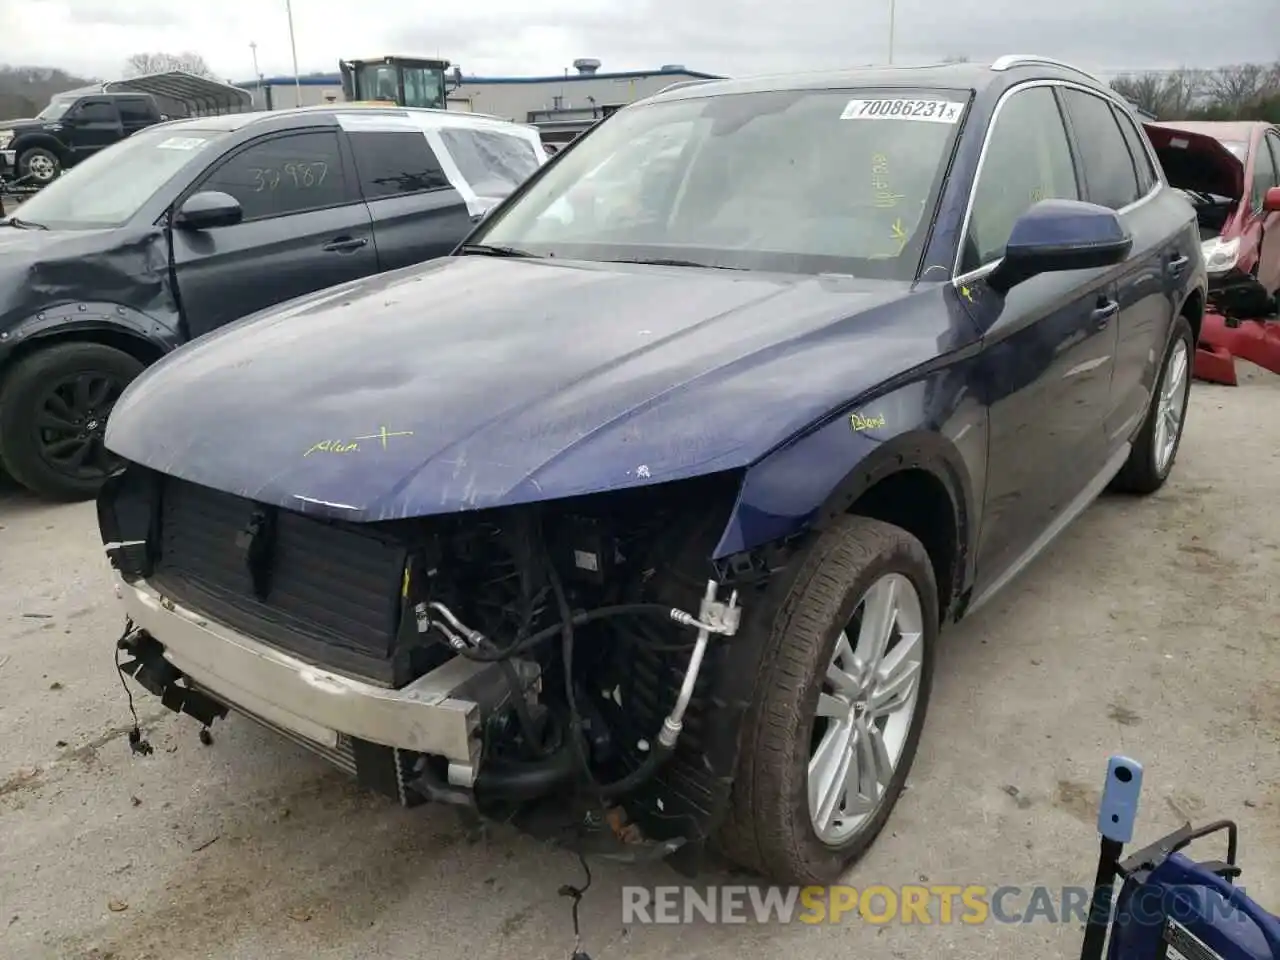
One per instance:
(1184, 91)
(1145, 90)
(1236, 87)
(141, 64)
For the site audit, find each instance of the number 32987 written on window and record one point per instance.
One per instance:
(294, 175)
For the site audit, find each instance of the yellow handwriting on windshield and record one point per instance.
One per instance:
(860, 422)
(885, 197)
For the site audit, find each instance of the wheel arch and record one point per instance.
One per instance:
(1193, 308)
(918, 480)
(122, 328)
(42, 140)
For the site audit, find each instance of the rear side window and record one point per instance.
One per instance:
(395, 162)
(1137, 149)
(1028, 159)
(1109, 176)
(1264, 173)
(492, 163)
(135, 111)
(284, 175)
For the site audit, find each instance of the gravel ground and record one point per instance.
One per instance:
(1149, 628)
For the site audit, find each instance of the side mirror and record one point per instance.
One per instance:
(209, 208)
(1271, 200)
(1057, 235)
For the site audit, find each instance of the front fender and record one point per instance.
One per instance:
(935, 423)
(47, 141)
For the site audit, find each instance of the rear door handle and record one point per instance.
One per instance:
(1178, 264)
(1103, 313)
(344, 244)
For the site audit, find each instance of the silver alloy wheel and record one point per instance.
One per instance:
(41, 167)
(865, 708)
(1171, 406)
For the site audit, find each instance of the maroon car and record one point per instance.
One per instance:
(1231, 173)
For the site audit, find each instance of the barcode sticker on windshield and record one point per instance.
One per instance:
(930, 111)
(180, 143)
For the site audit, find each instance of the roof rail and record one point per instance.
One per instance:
(681, 83)
(1022, 59)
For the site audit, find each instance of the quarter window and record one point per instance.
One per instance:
(397, 162)
(1109, 175)
(1028, 159)
(284, 175)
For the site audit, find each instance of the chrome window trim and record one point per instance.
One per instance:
(961, 278)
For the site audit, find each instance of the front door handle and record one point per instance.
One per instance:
(1102, 314)
(344, 244)
(1178, 264)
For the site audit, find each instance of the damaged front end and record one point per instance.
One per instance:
(574, 666)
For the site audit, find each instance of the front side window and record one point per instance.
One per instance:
(397, 162)
(494, 164)
(1028, 159)
(798, 181)
(1264, 175)
(284, 175)
(109, 187)
(1109, 175)
(95, 111)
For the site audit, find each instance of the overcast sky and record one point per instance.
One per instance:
(505, 37)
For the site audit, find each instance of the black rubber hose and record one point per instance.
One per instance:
(517, 780)
(578, 620)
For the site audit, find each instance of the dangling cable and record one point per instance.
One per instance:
(136, 743)
(576, 893)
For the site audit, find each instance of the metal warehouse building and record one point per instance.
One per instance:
(575, 96)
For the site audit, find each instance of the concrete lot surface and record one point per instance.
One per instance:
(1149, 628)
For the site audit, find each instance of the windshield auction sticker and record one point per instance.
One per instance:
(181, 143)
(930, 111)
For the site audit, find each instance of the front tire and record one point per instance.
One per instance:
(836, 719)
(1156, 446)
(39, 165)
(54, 406)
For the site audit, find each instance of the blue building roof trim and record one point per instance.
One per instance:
(335, 80)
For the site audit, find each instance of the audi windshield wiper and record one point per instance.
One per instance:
(22, 224)
(671, 262)
(486, 250)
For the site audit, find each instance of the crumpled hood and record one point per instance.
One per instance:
(474, 382)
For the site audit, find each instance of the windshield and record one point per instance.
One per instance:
(108, 188)
(54, 110)
(1238, 147)
(795, 181)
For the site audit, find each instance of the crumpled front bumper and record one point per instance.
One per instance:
(438, 714)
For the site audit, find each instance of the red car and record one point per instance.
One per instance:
(1231, 173)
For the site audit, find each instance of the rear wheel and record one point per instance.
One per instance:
(39, 165)
(1151, 459)
(833, 729)
(53, 415)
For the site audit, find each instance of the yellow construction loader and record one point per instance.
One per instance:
(404, 81)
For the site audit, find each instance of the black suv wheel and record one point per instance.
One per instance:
(53, 414)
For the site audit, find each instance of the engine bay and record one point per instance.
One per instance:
(593, 636)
